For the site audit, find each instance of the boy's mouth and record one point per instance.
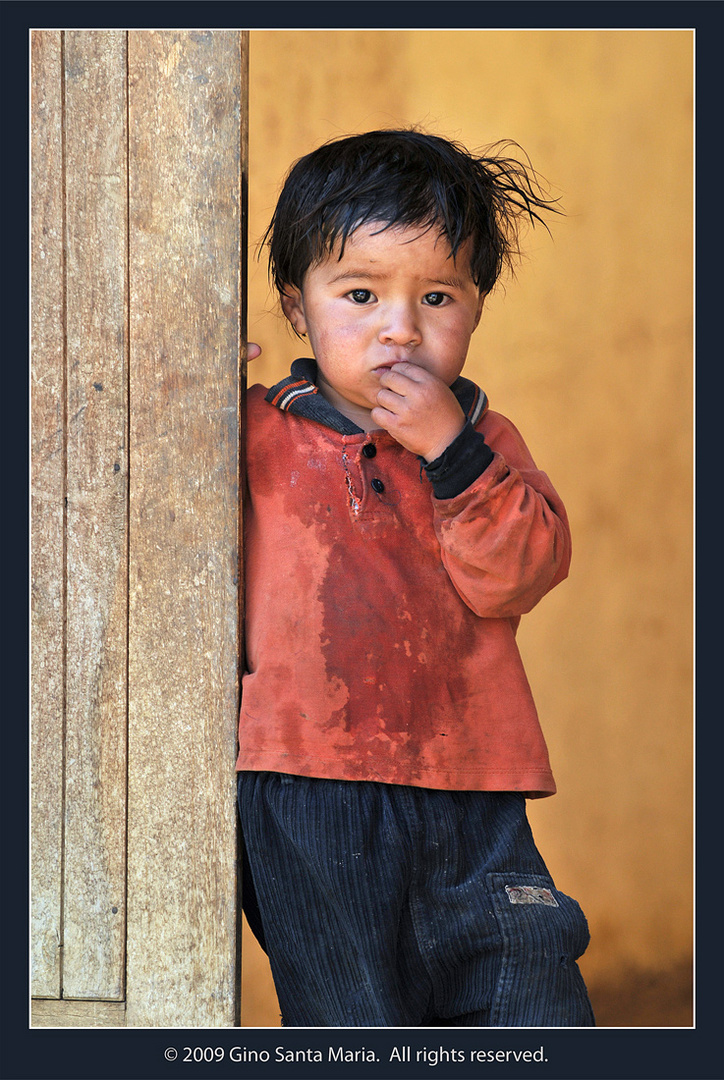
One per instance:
(389, 364)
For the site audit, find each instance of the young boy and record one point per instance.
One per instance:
(396, 531)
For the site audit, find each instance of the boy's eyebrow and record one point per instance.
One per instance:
(452, 282)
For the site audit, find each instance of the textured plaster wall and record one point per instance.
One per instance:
(589, 352)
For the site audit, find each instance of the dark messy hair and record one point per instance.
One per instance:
(402, 179)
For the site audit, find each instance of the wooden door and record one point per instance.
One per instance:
(138, 260)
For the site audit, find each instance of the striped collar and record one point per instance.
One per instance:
(298, 394)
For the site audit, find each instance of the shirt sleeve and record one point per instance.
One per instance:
(467, 456)
(504, 540)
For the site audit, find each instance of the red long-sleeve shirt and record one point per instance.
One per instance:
(380, 619)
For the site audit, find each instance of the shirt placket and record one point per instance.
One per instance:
(369, 490)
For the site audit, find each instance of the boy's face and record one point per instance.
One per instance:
(394, 296)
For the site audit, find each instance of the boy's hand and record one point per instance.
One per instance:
(252, 350)
(418, 409)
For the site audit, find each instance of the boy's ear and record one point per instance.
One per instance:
(293, 307)
(481, 301)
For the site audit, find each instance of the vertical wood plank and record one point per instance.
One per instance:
(47, 491)
(186, 90)
(95, 803)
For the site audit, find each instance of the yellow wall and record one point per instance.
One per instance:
(589, 353)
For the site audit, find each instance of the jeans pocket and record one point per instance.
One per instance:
(543, 933)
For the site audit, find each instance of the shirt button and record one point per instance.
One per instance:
(377, 486)
(369, 449)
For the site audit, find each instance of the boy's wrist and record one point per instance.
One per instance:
(442, 444)
(460, 464)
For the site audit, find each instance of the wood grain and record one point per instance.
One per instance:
(186, 90)
(164, 197)
(102, 1014)
(95, 805)
(47, 492)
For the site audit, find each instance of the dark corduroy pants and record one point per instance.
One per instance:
(388, 906)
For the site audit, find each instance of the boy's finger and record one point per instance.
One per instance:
(397, 380)
(390, 399)
(382, 417)
(404, 369)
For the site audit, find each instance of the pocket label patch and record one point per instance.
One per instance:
(530, 894)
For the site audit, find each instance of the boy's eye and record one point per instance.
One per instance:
(360, 296)
(435, 299)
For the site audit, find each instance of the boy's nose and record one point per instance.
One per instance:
(400, 328)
